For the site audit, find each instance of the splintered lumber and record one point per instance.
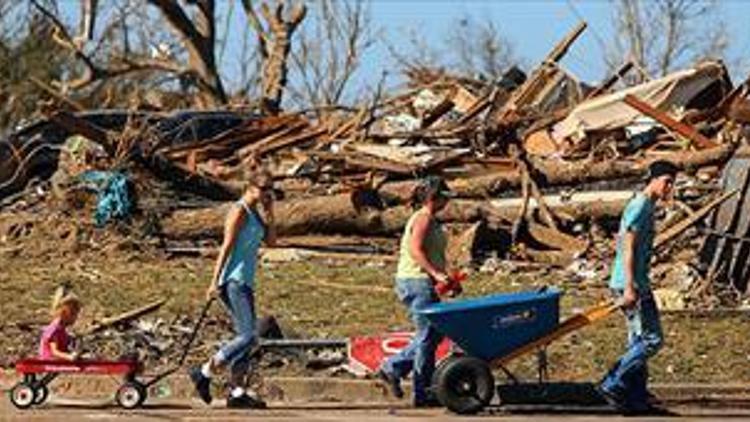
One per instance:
(524, 94)
(560, 173)
(181, 177)
(609, 83)
(682, 128)
(693, 218)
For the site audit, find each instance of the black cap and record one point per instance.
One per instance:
(429, 187)
(436, 185)
(661, 168)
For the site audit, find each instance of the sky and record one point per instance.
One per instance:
(532, 26)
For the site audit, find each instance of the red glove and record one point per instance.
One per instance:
(453, 286)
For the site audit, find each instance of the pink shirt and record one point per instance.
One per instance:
(53, 333)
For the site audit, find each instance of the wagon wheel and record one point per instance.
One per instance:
(131, 395)
(22, 395)
(465, 385)
(41, 393)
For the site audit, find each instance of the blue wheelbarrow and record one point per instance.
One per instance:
(493, 330)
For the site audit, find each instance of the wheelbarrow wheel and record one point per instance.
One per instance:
(22, 395)
(131, 395)
(439, 369)
(465, 385)
(41, 392)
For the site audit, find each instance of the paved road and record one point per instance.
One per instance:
(193, 411)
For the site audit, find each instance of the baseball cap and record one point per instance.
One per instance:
(661, 168)
(437, 185)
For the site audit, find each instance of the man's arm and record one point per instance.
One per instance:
(630, 294)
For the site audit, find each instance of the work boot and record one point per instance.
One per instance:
(392, 382)
(245, 402)
(202, 384)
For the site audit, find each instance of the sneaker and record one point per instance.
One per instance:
(245, 402)
(613, 399)
(393, 383)
(202, 384)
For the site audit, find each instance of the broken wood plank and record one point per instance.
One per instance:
(437, 112)
(606, 85)
(271, 145)
(682, 128)
(125, 317)
(524, 94)
(683, 225)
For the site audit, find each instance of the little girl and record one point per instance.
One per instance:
(55, 341)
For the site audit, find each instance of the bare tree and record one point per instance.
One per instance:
(475, 48)
(329, 51)
(110, 56)
(274, 43)
(661, 35)
(199, 38)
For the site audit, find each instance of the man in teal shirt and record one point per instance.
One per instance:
(625, 384)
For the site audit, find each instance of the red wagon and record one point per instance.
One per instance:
(38, 373)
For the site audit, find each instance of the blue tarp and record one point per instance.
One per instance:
(114, 200)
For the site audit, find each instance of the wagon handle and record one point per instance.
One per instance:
(188, 345)
(196, 328)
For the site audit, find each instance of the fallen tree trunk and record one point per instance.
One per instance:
(336, 215)
(557, 173)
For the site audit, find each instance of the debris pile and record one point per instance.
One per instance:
(542, 165)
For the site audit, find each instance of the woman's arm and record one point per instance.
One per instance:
(416, 249)
(59, 354)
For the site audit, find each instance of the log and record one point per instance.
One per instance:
(558, 173)
(335, 214)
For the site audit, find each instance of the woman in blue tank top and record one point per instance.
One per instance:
(248, 223)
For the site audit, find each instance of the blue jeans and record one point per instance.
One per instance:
(239, 300)
(629, 376)
(419, 355)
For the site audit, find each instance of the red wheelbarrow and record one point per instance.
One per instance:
(133, 391)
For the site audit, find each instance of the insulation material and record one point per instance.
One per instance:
(609, 112)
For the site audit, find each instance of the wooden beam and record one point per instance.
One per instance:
(683, 225)
(125, 317)
(527, 92)
(663, 118)
(622, 71)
